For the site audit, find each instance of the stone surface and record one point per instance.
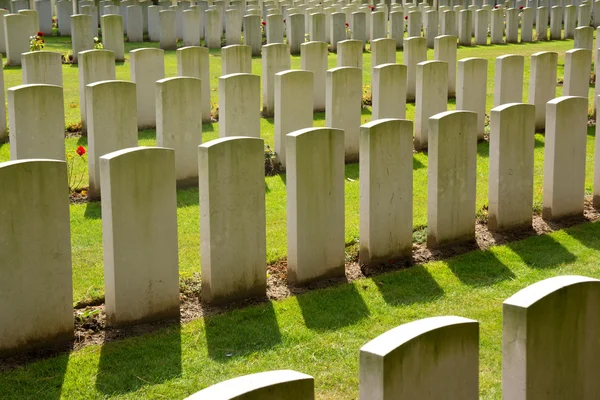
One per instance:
(42, 67)
(191, 27)
(584, 38)
(239, 105)
(578, 65)
(64, 10)
(527, 19)
(431, 358)
(383, 51)
(236, 59)
(293, 107)
(386, 166)
(135, 24)
(482, 18)
(550, 346)
(564, 157)
(315, 204)
(105, 135)
(508, 79)
(147, 67)
(82, 36)
(350, 53)
(112, 35)
(431, 97)
(388, 91)
(167, 33)
(274, 29)
(556, 23)
(272, 385)
(512, 25)
(275, 58)
(541, 23)
(252, 34)
(452, 165)
(16, 38)
(512, 137)
(313, 57)
(343, 106)
(542, 85)
(193, 61)
(465, 27)
(445, 50)
(471, 89)
(415, 51)
(36, 291)
(95, 66)
(178, 125)
(139, 235)
(497, 27)
(231, 178)
(295, 32)
(36, 119)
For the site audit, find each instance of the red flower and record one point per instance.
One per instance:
(372, 8)
(80, 151)
(264, 23)
(496, 7)
(520, 7)
(347, 25)
(284, 21)
(406, 17)
(40, 33)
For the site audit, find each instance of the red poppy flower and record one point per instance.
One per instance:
(372, 8)
(520, 7)
(406, 17)
(264, 23)
(496, 7)
(40, 33)
(347, 24)
(80, 151)
(284, 21)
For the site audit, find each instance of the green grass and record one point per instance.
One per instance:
(88, 279)
(319, 333)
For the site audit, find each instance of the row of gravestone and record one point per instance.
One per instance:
(331, 27)
(550, 350)
(337, 91)
(139, 208)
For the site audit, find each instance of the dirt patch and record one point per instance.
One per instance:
(90, 320)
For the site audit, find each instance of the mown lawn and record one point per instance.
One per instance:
(319, 333)
(85, 218)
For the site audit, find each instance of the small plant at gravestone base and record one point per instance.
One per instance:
(75, 181)
(367, 96)
(348, 31)
(271, 165)
(98, 44)
(85, 316)
(36, 42)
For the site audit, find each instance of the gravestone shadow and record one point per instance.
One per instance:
(241, 332)
(586, 234)
(543, 253)
(45, 381)
(331, 309)
(417, 164)
(126, 366)
(93, 210)
(411, 286)
(482, 269)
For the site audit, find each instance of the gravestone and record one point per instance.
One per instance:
(178, 125)
(239, 102)
(147, 67)
(316, 226)
(139, 235)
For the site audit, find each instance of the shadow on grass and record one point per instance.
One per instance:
(187, 197)
(483, 149)
(480, 268)
(586, 234)
(126, 366)
(417, 164)
(410, 286)
(93, 210)
(43, 381)
(242, 332)
(543, 252)
(332, 309)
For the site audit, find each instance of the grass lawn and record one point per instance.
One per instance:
(318, 333)
(86, 225)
